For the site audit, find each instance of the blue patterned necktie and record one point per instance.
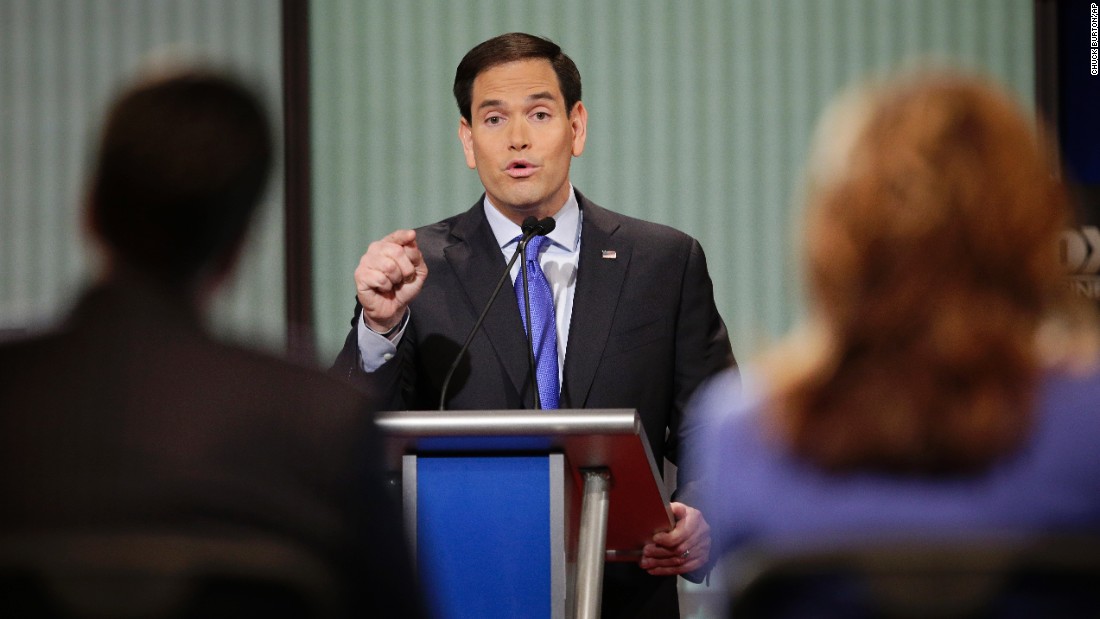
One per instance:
(544, 338)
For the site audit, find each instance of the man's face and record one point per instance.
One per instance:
(520, 138)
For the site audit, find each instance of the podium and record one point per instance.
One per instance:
(513, 512)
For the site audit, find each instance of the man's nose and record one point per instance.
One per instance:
(519, 137)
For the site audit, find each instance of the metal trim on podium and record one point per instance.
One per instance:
(604, 495)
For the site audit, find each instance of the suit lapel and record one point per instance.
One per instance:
(600, 275)
(478, 264)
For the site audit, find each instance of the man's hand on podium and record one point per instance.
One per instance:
(684, 549)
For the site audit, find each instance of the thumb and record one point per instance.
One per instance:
(679, 510)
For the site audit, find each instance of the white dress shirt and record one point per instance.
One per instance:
(559, 260)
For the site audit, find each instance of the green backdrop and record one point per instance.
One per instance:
(700, 113)
(61, 63)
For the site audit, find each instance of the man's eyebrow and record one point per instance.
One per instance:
(490, 103)
(545, 95)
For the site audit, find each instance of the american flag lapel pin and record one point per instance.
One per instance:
(608, 254)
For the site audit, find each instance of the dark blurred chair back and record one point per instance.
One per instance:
(1057, 577)
(123, 576)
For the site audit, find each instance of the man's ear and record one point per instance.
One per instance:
(578, 120)
(91, 229)
(466, 136)
(90, 225)
(216, 275)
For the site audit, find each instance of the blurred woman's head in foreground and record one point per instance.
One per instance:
(933, 211)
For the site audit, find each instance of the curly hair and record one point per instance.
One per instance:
(931, 232)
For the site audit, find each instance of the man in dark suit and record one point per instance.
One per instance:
(130, 419)
(633, 302)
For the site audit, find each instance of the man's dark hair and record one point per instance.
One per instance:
(510, 48)
(181, 166)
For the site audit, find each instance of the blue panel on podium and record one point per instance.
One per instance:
(483, 535)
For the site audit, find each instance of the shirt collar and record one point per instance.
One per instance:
(566, 229)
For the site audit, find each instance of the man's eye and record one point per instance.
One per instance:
(494, 120)
(541, 115)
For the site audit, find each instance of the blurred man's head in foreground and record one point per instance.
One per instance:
(181, 165)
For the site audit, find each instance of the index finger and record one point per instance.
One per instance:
(673, 538)
(412, 252)
(402, 237)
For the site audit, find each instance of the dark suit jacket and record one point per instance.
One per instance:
(644, 333)
(130, 418)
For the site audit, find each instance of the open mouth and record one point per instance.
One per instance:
(520, 169)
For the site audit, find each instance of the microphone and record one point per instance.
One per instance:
(530, 227)
(539, 228)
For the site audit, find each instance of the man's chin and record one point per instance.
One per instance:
(522, 204)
